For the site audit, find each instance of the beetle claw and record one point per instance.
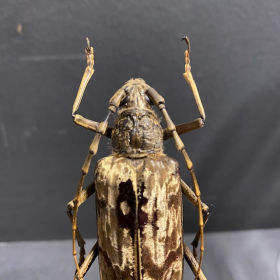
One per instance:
(188, 43)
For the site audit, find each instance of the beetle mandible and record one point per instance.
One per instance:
(138, 188)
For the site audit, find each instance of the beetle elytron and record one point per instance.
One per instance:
(138, 188)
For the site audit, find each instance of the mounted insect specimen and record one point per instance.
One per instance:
(138, 188)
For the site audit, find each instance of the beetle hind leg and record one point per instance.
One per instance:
(195, 241)
(190, 259)
(79, 238)
(70, 206)
(187, 191)
(85, 266)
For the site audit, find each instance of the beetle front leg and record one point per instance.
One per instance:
(189, 78)
(78, 119)
(86, 77)
(197, 123)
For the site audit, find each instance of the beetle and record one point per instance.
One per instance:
(138, 188)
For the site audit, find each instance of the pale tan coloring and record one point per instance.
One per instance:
(138, 188)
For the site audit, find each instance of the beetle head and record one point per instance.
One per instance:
(137, 130)
(136, 97)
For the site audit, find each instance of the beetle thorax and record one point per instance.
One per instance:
(137, 130)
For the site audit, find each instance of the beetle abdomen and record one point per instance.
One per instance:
(139, 216)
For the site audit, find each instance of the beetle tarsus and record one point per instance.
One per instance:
(88, 42)
(185, 38)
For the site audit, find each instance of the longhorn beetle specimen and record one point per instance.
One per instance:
(138, 188)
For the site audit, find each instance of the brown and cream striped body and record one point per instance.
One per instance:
(138, 188)
(139, 216)
(138, 198)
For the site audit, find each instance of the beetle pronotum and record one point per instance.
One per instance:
(138, 188)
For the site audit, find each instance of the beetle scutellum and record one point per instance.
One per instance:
(138, 188)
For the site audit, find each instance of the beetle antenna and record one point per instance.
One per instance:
(213, 208)
(188, 43)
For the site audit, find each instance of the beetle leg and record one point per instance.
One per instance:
(80, 240)
(197, 123)
(70, 206)
(91, 125)
(86, 193)
(85, 266)
(183, 128)
(189, 78)
(86, 77)
(197, 236)
(187, 191)
(190, 259)
(78, 119)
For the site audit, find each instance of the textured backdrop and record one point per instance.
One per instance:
(235, 63)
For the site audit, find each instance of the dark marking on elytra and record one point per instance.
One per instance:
(106, 262)
(142, 216)
(155, 271)
(115, 272)
(177, 170)
(126, 193)
(173, 200)
(101, 203)
(142, 272)
(155, 217)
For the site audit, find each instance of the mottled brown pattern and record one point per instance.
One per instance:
(137, 130)
(145, 242)
(139, 203)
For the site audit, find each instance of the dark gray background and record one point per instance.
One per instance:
(235, 62)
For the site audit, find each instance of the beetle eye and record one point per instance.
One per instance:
(148, 100)
(125, 100)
